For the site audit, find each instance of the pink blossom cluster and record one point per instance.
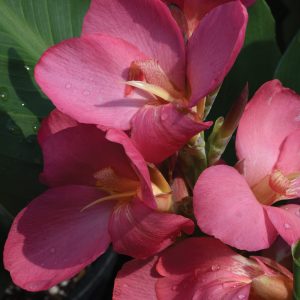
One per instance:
(131, 95)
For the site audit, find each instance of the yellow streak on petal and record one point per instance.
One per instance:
(110, 197)
(152, 89)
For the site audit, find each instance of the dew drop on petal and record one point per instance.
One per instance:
(86, 93)
(215, 267)
(174, 288)
(125, 285)
(241, 296)
(297, 213)
(52, 250)
(287, 226)
(164, 116)
(68, 85)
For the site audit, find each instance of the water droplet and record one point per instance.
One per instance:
(13, 128)
(86, 93)
(241, 296)
(23, 104)
(287, 226)
(215, 267)
(35, 128)
(52, 250)
(68, 85)
(164, 116)
(125, 285)
(174, 288)
(3, 93)
(27, 67)
(286, 208)
(297, 213)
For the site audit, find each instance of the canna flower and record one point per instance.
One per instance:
(189, 13)
(101, 192)
(202, 269)
(236, 204)
(131, 69)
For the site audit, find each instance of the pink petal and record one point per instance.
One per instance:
(286, 219)
(85, 78)
(160, 131)
(140, 231)
(271, 115)
(213, 48)
(136, 280)
(148, 25)
(52, 239)
(137, 162)
(74, 155)
(55, 122)
(289, 157)
(226, 208)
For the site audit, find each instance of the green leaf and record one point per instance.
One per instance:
(288, 70)
(296, 258)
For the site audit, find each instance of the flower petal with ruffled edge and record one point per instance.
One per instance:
(74, 155)
(226, 208)
(148, 25)
(140, 231)
(213, 48)
(85, 78)
(160, 131)
(52, 239)
(271, 115)
(286, 219)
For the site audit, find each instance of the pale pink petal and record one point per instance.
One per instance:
(55, 122)
(271, 115)
(136, 280)
(213, 48)
(289, 157)
(85, 79)
(226, 208)
(190, 254)
(139, 231)
(137, 163)
(74, 155)
(160, 131)
(148, 25)
(52, 239)
(286, 219)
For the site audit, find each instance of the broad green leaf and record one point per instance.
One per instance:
(296, 258)
(288, 70)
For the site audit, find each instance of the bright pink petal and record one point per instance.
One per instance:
(289, 157)
(148, 25)
(226, 208)
(213, 48)
(52, 239)
(271, 115)
(160, 131)
(136, 280)
(85, 78)
(74, 155)
(55, 122)
(139, 231)
(286, 219)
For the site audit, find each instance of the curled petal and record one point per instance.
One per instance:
(42, 247)
(140, 231)
(148, 25)
(160, 131)
(226, 208)
(271, 115)
(85, 78)
(213, 48)
(286, 219)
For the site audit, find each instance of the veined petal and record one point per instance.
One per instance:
(226, 208)
(55, 122)
(213, 48)
(139, 231)
(286, 220)
(269, 118)
(85, 78)
(75, 155)
(148, 25)
(136, 280)
(42, 247)
(160, 131)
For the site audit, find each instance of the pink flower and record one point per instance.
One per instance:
(236, 208)
(189, 13)
(131, 69)
(202, 269)
(101, 192)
